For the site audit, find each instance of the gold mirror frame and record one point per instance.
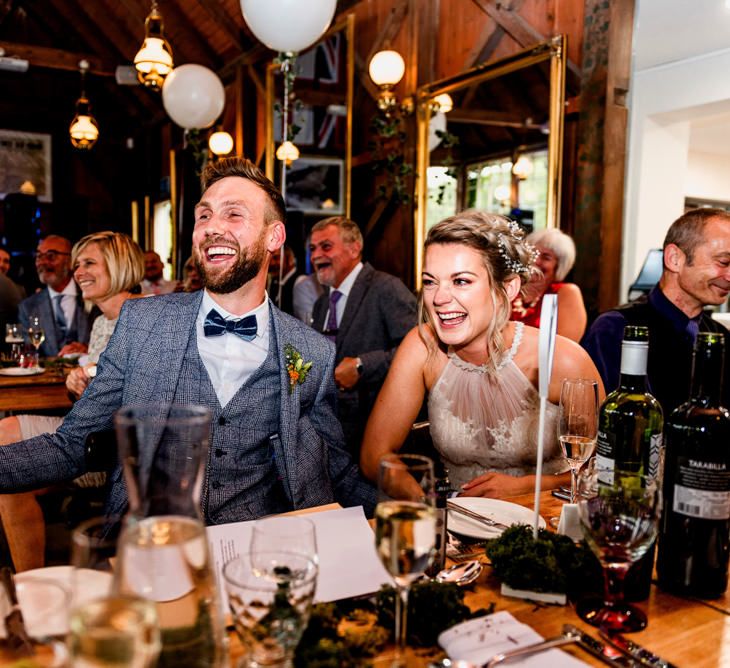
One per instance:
(553, 50)
(346, 25)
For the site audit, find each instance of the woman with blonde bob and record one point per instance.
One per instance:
(108, 268)
(555, 259)
(479, 369)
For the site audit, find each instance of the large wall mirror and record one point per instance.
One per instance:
(499, 147)
(318, 182)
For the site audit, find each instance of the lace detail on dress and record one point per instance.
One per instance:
(488, 422)
(482, 368)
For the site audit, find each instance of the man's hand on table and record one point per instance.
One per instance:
(77, 380)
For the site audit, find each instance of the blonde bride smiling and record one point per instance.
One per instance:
(478, 369)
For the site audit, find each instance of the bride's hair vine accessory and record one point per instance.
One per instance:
(514, 264)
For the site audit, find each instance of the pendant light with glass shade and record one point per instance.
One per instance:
(220, 143)
(154, 60)
(84, 130)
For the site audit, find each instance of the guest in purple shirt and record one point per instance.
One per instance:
(696, 274)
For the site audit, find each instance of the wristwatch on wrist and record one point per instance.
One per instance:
(358, 366)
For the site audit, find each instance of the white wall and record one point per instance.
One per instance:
(708, 176)
(664, 101)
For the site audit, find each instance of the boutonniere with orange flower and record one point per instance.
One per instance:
(296, 368)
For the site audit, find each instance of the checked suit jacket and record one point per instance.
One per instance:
(379, 312)
(40, 304)
(141, 365)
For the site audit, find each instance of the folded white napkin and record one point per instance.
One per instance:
(569, 524)
(478, 640)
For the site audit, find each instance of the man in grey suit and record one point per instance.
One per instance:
(276, 444)
(365, 312)
(59, 305)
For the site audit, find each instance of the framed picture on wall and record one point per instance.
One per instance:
(25, 157)
(316, 185)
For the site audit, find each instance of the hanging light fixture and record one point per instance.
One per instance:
(287, 152)
(386, 70)
(220, 143)
(154, 60)
(523, 167)
(444, 103)
(84, 130)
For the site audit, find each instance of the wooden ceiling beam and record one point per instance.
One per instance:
(391, 28)
(516, 27)
(57, 59)
(486, 117)
(253, 55)
(223, 20)
(483, 50)
(85, 26)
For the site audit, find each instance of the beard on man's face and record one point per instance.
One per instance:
(247, 266)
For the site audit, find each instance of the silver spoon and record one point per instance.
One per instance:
(462, 574)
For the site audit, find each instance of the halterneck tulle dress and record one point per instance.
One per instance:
(487, 421)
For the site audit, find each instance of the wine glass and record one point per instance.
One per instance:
(619, 522)
(270, 610)
(36, 333)
(577, 425)
(93, 549)
(405, 529)
(14, 336)
(293, 535)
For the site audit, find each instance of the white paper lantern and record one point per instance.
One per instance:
(288, 26)
(436, 124)
(193, 96)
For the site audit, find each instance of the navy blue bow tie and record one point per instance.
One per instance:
(216, 325)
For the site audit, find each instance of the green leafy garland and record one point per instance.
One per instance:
(388, 156)
(552, 563)
(432, 608)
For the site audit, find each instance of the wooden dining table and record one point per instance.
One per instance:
(688, 633)
(45, 391)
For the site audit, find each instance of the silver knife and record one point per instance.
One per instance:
(636, 651)
(488, 521)
(571, 635)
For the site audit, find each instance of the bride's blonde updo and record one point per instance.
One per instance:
(501, 244)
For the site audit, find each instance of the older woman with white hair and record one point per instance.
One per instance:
(556, 256)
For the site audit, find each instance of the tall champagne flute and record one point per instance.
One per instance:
(36, 333)
(619, 522)
(577, 425)
(405, 529)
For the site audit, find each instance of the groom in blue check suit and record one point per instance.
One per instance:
(275, 443)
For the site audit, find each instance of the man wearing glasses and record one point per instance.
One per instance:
(59, 305)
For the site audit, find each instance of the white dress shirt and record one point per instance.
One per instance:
(68, 302)
(345, 288)
(229, 360)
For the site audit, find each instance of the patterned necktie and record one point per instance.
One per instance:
(692, 329)
(60, 318)
(331, 330)
(216, 325)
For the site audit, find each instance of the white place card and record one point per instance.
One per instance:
(348, 563)
(478, 640)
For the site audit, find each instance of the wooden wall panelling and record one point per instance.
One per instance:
(621, 21)
(601, 140)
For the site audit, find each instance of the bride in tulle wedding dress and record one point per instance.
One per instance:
(479, 370)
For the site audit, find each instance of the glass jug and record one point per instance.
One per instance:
(163, 551)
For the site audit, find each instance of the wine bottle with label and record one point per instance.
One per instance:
(443, 490)
(694, 535)
(630, 437)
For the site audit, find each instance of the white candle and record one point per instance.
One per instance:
(548, 325)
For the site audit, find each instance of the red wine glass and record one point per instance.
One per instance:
(619, 523)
